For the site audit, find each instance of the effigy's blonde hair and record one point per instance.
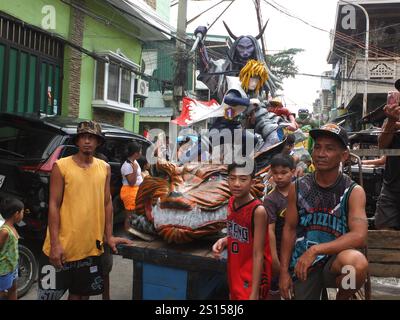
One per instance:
(252, 69)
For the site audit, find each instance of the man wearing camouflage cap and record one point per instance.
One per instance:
(327, 209)
(80, 217)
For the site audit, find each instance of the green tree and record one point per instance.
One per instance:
(282, 64)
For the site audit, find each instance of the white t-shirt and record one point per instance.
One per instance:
(127, 169)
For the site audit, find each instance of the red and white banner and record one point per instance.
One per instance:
(194, 111)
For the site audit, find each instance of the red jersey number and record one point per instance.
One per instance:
(235, 247)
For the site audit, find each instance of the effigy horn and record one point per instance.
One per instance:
(262, 31)
(229, 31)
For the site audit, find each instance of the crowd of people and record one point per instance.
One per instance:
(317, 222)
(317, 227)
(303, 237)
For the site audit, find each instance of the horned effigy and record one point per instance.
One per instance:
(243, 49)
(187, 199)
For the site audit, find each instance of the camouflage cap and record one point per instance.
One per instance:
(332, 130)
(91, 127)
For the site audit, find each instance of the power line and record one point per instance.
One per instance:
(309, 75)
(294, 17)
(346, 38)
(149, 24)
(201, 13)
(110, 22)
(362, 45)
(221, 14)
(276, 50)
(213, 54)
(338, 79)
(376, 29)
(279, 5)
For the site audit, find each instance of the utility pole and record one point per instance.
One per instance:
(181, 55)
(260, 24)
(365, 95)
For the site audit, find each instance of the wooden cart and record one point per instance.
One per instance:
(383, 248)
(169, 271)
(384, 253)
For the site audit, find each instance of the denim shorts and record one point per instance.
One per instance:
(6, 281)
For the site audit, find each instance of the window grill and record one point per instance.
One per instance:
(28, 38)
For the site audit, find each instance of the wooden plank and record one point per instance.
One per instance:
(376, 152)
(198, 248)
(141, 235)
(139, 243)
(201, 251)
(384, 255)
(137, 286)
(184, 261)
(384, 239)
(175, 256)
(192, 286)
(384, 270)
(154, 245)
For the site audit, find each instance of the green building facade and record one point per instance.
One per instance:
(75, 58)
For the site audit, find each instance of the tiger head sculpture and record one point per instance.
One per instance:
(189, 202)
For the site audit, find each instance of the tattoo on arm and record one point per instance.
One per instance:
(360, 219)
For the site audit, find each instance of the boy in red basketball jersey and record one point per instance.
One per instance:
(249, 256)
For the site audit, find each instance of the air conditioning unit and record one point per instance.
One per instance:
(142, 88)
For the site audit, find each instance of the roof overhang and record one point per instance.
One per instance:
(373, 7)
(120, 58)
(151, 26)
(151, 114)
(344, 116)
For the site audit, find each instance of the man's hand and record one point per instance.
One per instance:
(276, 266)
(254, 101)
(392, 112)
(304, 262)
(299, 172)
(254, 296)
(134, 166)
(56, 257)
(285, 285)
(202, 30)
(218, 247)
(114, 241)
(291, 127)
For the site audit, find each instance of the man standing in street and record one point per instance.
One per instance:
(325, 223)
(387, 214)
(80, 217)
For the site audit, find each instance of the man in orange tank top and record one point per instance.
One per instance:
(80, 217)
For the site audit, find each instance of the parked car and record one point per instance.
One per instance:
(29, 146)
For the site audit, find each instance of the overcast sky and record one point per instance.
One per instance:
(282, 32)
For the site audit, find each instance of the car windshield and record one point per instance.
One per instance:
(23, 142)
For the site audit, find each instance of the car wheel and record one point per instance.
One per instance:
(27, 270)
